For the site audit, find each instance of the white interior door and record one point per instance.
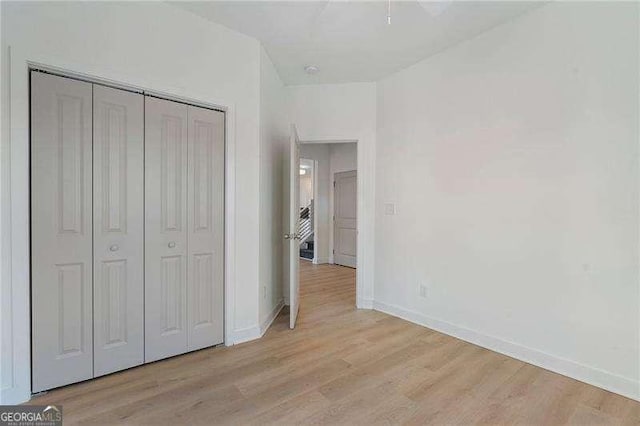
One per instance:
(345, 234)
(294, 225)
(118, 238)
(61, 228)
(165, 228)
(205, 273)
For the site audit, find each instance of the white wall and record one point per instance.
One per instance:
(345, 112)
(306, 189)
(147, 44)
(274, 148)
(513, 163)
(343, 157)
(306, 182)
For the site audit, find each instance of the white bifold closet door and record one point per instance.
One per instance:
(205, 228)
(165, 228)
(86, 230)
(118, 229)
(184, 207)
(61, 231)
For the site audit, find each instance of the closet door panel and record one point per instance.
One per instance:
(165, 228)
(61, 228)
(118, 214)
(205, 273)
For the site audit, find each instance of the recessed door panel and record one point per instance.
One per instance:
(118, 211)
(205, 273)
(61, 225)
(172, 302)
(165, 228)
(112, 287)
(202, 310)
(172, 196)
(71, 324)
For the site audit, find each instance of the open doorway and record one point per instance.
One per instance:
(327, 225)
(328, 203)
(323, 250)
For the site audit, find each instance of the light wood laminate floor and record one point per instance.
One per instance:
(341, 366)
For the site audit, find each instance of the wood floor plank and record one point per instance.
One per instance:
(340, 366)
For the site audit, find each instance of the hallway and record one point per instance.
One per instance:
(341, 366)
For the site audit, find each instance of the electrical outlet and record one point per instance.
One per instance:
(264, 291)
(423, 291)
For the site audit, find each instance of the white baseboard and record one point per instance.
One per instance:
(584, 373)
(266, 323)
(364, 303)
(243, 335)
(248, 334)
(321, 260)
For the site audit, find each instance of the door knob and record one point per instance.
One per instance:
(172, 244)
(114, 247)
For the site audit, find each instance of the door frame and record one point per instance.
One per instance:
(15, 239)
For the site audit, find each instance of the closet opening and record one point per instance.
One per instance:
(128, 241)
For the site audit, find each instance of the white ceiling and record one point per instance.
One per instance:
(351, 41)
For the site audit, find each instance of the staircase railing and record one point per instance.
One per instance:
(305, 229)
